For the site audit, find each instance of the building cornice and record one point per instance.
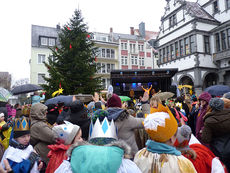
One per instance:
(207, 3)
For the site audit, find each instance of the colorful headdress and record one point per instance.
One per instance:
(66, 132)
(101, 128)
(21, 126)
(160, 124)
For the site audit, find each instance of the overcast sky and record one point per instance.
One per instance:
(17, 16)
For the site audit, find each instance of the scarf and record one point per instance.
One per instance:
(161, 148)
(15, 144)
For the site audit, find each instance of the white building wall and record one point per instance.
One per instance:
(181, 64)
(206, 61)
(205, 26)
(202, 2)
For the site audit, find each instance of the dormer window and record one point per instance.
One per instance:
(172, 20)
(215, 7)
(44, 41)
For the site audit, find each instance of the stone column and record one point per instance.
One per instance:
(221, 77)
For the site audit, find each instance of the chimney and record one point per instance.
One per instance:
(58, 26)
(111, 30)
(142, 29)
(132, 30)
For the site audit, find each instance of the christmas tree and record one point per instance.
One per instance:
(72, 64)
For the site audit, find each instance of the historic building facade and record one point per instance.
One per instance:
(188, 41)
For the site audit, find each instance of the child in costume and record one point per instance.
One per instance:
(68, 134)
(20, 154)
(103, 154)
(202, 158)
(5, 131)
(160, 155)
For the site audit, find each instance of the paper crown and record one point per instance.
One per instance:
(165, 130)
(105, 129)
(66, 132)
(21, 124)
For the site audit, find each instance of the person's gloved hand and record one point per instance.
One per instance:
(33, 158)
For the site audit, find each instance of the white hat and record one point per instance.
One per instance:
(2, 115)
(66, 132)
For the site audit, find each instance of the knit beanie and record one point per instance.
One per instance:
(227, 95)
(182, 138)
(216, 104)
(114, 101)
(66, 132)
(205, 96)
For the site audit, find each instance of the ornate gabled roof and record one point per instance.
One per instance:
(195, 10)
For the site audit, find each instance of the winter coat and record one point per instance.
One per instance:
(126, 124)
(41, 132)
(199, 122)
(216, 132)
(56, 154)
(216, 123)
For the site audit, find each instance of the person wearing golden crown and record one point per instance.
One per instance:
(103, 153)
(20, 154)
(160, 155)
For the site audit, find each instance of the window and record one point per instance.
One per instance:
(51, 41)
(112, 66)
(124, 60)
(192, 43)
(108, 68)
(228, 37)
(172, 20)
(181, 47)
(135, 58)
(40, 78)
(125, 46)
(227, 4)
(176, 50)
(44, 41)
(206, 44)
(41, 58)
(141, 61)
(122, 46)
(215, 7)
(142, 47)
(102, 67)
(112, 53)
(132, 48)
(103, 83)
(186, 40)
(160, 55)
(164, 58)
(223, 40)
(51, 57)
(217, 42)
(167, 51)
(172, 51)
(107, 53)
(139, 47)
(108, 83)
(98, 67)
(103, 53)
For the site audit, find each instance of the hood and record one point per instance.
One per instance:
(38, 112)
(114, 113)
(205, 96)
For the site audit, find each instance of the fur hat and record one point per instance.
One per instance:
(182, 138)
(216, 104)
(114, 101)
(160, 124)
(66, 132)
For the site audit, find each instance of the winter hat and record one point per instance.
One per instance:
(78, 110)
(160, 124)
(205, 96)
(182, 138)
(2, 115)
(66, 132)
(21, 126)
(52, 113)
(216, 104)
(227, 95)
(114, 101)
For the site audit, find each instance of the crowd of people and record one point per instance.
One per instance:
(183, 134)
